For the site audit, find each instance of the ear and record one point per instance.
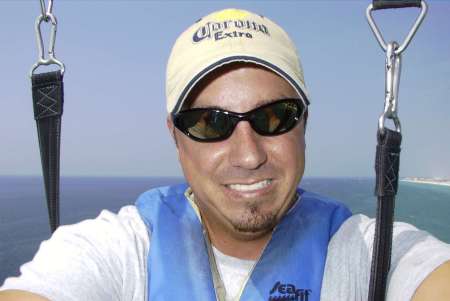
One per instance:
(305, 120)
(171, 127)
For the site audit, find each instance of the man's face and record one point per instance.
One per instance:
(244, 184)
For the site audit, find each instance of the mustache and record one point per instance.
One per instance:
(231, 173)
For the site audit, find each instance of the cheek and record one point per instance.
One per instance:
(200, 160)
(288, 151)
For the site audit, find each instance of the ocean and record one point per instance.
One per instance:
(24, 219)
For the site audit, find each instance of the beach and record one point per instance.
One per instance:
(427, 181)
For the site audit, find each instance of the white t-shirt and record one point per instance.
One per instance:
(105, 259)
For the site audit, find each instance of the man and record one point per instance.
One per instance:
(240, 229)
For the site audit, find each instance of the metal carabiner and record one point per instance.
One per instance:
(412, 32)
(393, 70)
(51, 47)
(49, 9)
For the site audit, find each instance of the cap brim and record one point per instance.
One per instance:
(240, 58)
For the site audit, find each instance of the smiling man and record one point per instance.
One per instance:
(245, 182)
(241, 228)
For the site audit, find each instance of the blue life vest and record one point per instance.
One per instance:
(290, 268)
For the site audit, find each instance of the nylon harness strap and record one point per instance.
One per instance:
(48, 100)
(387, 162)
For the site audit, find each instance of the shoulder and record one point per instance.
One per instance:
(407, 239)
(101, 233)
(162, 203)
(153, 196)
(415, 254)
(103, 258)
(106, 229)
(323, 207)
(321, 201)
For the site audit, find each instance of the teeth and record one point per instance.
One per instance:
(255, 186)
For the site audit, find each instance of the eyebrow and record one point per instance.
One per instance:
(259, 104)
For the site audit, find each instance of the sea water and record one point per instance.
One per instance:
(24, 218)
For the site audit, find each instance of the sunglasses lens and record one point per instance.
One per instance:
(276, 118)
(213, 125)
(204, 125)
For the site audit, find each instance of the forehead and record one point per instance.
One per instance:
(239, 87)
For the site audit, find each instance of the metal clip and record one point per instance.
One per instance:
(393, 66)
(49, 9)
(393, 69)
(51, 47)
(412, 32)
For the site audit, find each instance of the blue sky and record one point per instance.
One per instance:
(116, 52)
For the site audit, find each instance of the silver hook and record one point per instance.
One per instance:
(43, 13)
(49, 10)
(51, 47)
(393, 66)
(393, 70)
(412, 32)
(50, 7)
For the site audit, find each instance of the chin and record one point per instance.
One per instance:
(254, 224)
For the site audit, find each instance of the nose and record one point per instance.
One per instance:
(247, 148)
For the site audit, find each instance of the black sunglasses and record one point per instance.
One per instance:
(211, 124)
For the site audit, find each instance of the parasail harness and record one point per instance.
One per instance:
(48, 100)
(387, 158)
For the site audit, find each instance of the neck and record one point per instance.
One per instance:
(245, 246)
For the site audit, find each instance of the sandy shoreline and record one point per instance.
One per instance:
(433, 182)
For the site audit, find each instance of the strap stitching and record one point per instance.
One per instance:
(391, 172)
(46, 96)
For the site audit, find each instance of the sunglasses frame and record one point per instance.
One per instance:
(238, 117)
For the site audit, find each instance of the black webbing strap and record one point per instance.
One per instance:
(387, 164)
(383, 4)
(48, 100)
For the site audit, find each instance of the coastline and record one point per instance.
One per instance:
(428, 181)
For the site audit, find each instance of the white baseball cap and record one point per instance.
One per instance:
(227, 36)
